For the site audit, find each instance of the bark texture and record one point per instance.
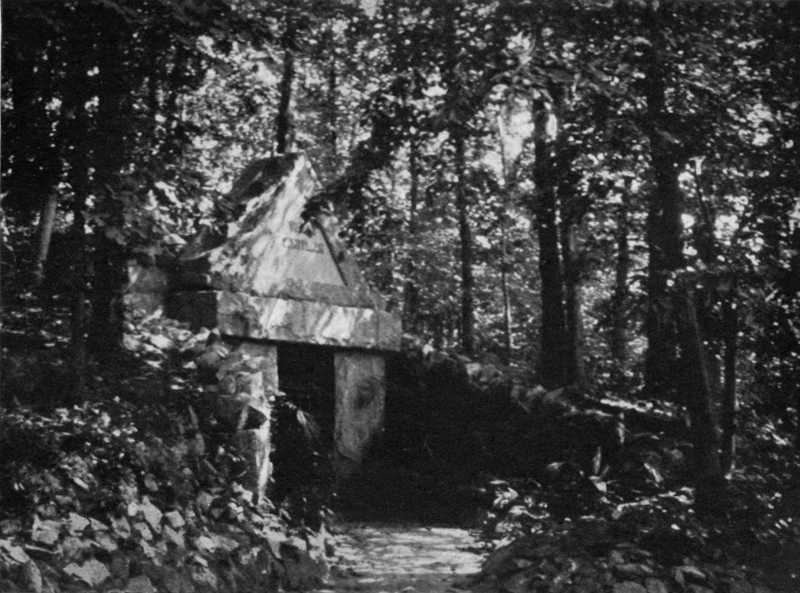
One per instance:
(730, 403)
(621, 271)
(551, 359)
(283, 123)
(665, 248)
(671, 324)
(465, 242)
(105, 338)
(409, 287)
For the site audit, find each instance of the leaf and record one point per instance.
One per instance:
(45, 532)
(205, 544)
(174, 537)
(599, 484)
(175, 519)
(16, 553)
(655, 475)
(204, 500)
(10, 526)
(140, 584)
(92, 572)
(32, 577)
(152, 514)
(77, 523)
(143, 531)
(105, 542)
(121, 527)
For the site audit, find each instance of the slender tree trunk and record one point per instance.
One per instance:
(729, 401)
(332, 108)
(681, 327)
(706, 247)
(437, 329)
(465, 242)
(551, 362)
(573, 347)
(664, 242)
(45, 235)
(709, 475)
(623, 263)
(76, 132)
(571, 209)
(794, 288)
(105, 336)
(508, 337)
(78, 303)
(505, 264)
(6, 397)
(284, 125)
(409, 288)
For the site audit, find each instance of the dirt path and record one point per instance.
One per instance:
(375, 558)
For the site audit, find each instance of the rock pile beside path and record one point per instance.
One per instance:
(574, 561)
(217, 545)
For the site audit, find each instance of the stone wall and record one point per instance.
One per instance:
(248, 385)
(360, 404)
(146, 290)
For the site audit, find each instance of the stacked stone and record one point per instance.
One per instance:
(248, 385)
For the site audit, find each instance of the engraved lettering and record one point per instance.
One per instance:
(302, 245)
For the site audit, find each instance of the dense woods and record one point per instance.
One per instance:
(599, 197)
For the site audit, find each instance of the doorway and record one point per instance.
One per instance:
(306, 375)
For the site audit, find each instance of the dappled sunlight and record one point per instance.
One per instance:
(372, 557)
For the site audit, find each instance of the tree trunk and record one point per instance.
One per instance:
(465, 242)
(573, 345)
(409, 288)
(105, 336)
(664, 242)
(508, 338)
(505, 265)
(623, 263)
(729, 401)
(551, 361)
(45, 235)
(680, 327)
(76, 132)
(706, 247)
(78, 302)
(571, 208)
(284, 125)
(332, 109)
(709, 475)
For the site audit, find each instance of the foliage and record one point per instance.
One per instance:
(608, 187)
(111, 493)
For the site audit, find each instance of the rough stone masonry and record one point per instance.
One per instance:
(264, 278)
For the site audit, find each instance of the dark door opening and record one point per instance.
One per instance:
(303, 432)
(306, 375)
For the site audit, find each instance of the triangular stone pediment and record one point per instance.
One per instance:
(270, 251)
(292, 279)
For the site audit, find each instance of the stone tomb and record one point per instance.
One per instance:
(286, 294)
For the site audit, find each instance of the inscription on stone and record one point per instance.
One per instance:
(298, 244)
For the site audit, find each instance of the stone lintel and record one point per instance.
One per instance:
(286, 320)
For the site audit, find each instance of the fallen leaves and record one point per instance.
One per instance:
(13, 552)
(45, 532)
(92, 572)
(570, 553)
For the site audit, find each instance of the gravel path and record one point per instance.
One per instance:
(376, 558)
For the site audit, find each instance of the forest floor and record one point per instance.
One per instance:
(393, 558)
